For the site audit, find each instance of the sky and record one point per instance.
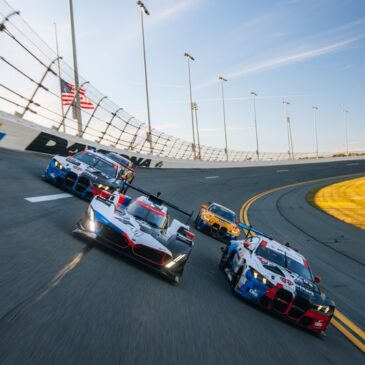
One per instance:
(308, 52)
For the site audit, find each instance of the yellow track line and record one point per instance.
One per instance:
(244, 219)
(349, 324)
(347, 334)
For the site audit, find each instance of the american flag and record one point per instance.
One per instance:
(68, 95)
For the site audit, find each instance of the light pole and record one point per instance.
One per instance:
(195, 107)
(257, 138)
(345, 111)
(315, 108)
(149, 133)
(191, 58)
(72, 104)
(59, 74)
(224, 114)
(287, 120)
(76, 72)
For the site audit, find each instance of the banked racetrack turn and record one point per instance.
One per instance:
(63, 301)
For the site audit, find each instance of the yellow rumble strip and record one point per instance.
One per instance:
(344, 201)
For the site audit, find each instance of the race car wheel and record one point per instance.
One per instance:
(197, 222)
(235, 279)
(224, 262)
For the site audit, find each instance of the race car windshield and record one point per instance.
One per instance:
(106, 168)
(155, 217)
(284, 261)
(224, 213)
(95, 161)
(119, 159)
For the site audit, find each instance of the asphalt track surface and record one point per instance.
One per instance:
(63, 301)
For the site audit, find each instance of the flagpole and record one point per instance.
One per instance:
(59, 75)
(76, 73)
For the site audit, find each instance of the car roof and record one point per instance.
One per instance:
(103, 157)
(282, 249)
(222, 206)
(145, 200)
(120, 157)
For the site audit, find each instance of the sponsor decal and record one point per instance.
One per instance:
(2, 135)
(286, 281)
(54, 145)
(264, 262)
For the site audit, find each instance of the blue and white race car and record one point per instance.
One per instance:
(86, 174)
(141, 229)
(278, 278)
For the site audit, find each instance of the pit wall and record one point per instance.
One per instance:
(23, 135)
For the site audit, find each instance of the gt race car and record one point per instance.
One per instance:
(141, 229)
(129, 173)
(86, 174)
(218, 221)
(278, 278)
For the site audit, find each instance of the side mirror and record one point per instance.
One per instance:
(204, 206)
(189, 234)
(247, 245)
(317, 279)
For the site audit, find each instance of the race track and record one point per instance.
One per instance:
(63, 301)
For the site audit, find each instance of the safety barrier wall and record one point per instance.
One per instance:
(23, 135)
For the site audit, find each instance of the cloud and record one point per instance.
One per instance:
(288, 59)
(177, 9)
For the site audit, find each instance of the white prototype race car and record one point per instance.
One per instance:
(141, 229)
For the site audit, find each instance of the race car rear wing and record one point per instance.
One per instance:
(250, 229)
(157, 200)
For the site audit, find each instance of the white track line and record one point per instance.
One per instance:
(212, 177)
(282, 170)
(352, 164)
(44, 198)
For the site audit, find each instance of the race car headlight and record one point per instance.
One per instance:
(91, 216)
(175, 260)
(58, 165)
(322, 308)
(103, 187)
(90, 213)
(206, 217)
(235, 231)
(259, 277)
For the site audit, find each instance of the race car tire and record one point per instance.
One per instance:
(235, 279)
(197, 222)
(223, 263)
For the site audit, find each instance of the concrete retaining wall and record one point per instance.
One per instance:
(19, 134)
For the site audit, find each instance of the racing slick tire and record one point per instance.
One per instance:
(235, 279)
(223, 263)
(197, 222)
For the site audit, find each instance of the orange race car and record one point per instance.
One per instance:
(218, 221)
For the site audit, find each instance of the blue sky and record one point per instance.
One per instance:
(308, 52)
